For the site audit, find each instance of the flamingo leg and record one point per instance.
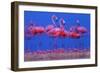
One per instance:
(40, 42)
(55, 43)
(63, 45)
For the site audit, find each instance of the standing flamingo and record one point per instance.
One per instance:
(79, 28)
(77, 31)
(52, 30)
(34, 30)
(51, 26)
(28, 30)
(63, 33)
(55, 32)
(58, 31)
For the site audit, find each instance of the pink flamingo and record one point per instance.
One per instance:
(77, 31)
(28, 30)
(80, 29)
(74, 35)
(53, 30)
(58, 31)
(51, 26)
(63, 33)
(33, 30)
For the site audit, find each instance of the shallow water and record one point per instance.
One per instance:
(43, 42)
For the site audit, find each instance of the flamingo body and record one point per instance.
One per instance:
(55, 32)
(81, 29)
(38, 30)
(49, 27)
(74, 35)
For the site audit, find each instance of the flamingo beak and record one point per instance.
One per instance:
(54, 17)
(63, 21)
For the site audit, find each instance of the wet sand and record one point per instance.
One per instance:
(58, 54)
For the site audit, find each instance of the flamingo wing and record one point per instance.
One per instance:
(81, 29)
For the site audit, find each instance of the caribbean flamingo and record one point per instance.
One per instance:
(52, 30)
(34, 30)
(80, 29)
(28, 30)
(58, 31)
(51, 26)
(77, 31)
(63, 33)
(55, 32)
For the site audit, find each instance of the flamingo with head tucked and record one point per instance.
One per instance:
(80, 29)
(33, 30)
(77, 31)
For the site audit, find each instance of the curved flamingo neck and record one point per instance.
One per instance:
(53, 21)
(78, 22)
(61, 24)
(31, 23)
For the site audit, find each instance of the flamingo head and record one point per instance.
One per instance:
(31, 23)
(63, 21)
(77, 21)
(54, 17)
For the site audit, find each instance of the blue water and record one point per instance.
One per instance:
(44, 19)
